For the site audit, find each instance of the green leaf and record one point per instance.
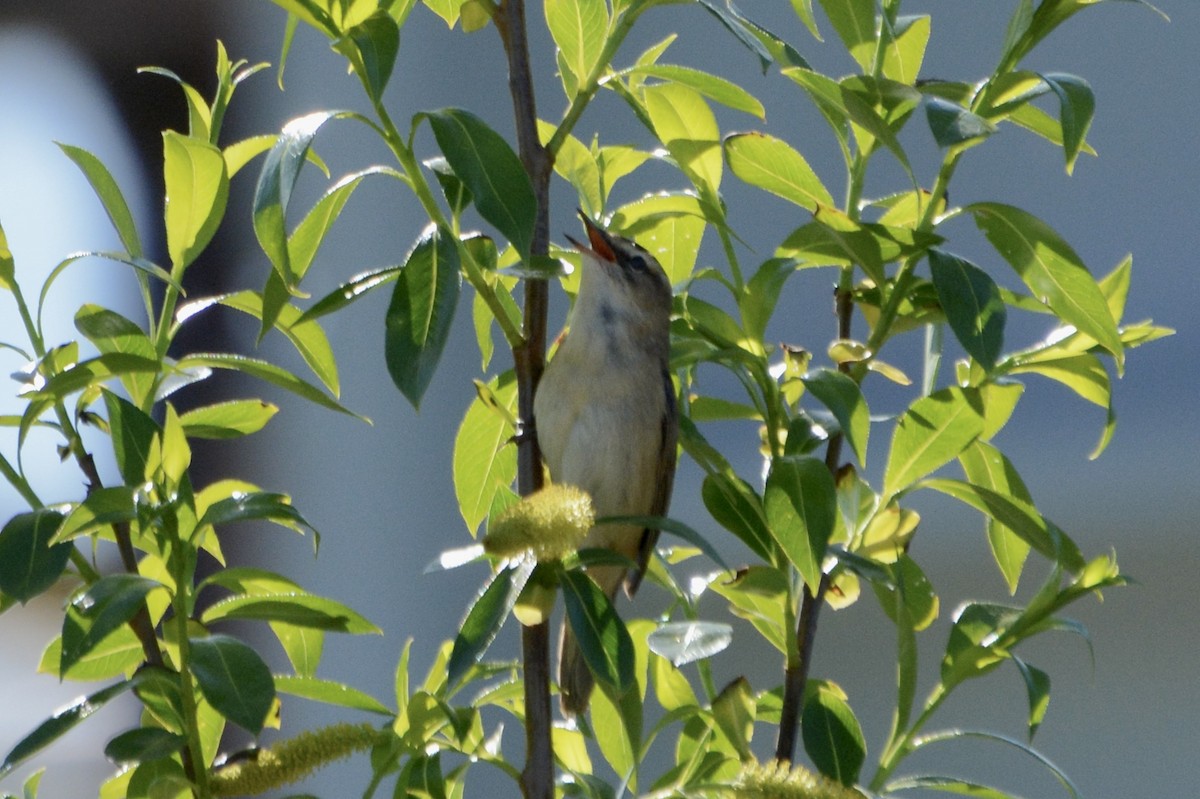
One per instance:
(421, 312)
(734, 709)
(717, 89)
(120, 653)
(953, 125)
(842, 396)
(854, 21)
(484, 460)
(350, 291)
(330, 693)
(904, 48)
(602, 637)
(763, 43)
(488, 612)
(197, 188)
(61, 723)
(826, 94)
(111, 332)
(1037, 685)
(683, 642)
(987, 466)
(920, 605)
(371, 47)
(973, 306)
(280, 170)
(685, 125)
(672, 526)
(579, 28)
(94, 372)
(297, 609)
(1017, 515)
(492, 172)
(801, 507)
(253, 505)
(1077, 105)
(106, 605)
(143, 744)
(772, 165)
(739, 509)
(102, 507)
(955, 785)
(1052, 271)
(232, 419)
(263, 370)
(973, 647)
(930, 434)
(832, 735)
(310, 232)
(110, 196)
(7, 265)
(670, 226)
(29, 563)
(234, 680)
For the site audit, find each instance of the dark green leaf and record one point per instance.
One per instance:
(737, 508)
(672, 526)
(109, 192)
(953, 125)
(371, 48)
(1017, 515)
(420, 314)
(1077, 105)
(832, 735)
(104, 506)
(1051, 269)
(682, 642)
(280, 170)
(253, 505)
(493, 173)
(106, 605)
(143, 744)
(29, 564)
(603, 639)
(1037, 685)
(60, 723)
(234, 680)
(801, 507)
(297, 609)
(842, 396)
(972, 304)
(132, 434)
(351, 290)
(930, 434)
(485, 618)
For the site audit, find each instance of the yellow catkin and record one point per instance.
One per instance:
(550, 523)
(292, 760)
(778, 780)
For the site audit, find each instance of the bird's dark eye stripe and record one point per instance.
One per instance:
(637, 262)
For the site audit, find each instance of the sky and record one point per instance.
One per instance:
(1123, 727)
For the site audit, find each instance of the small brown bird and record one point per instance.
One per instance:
(605, 415)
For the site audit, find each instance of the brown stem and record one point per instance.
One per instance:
(796, 674)
(537, 780)
(141, 624)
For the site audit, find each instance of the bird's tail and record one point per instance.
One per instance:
(575, 680)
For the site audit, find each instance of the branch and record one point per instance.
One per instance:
(537, 780)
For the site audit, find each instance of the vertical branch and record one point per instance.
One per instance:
(537, 780)
(796, 675)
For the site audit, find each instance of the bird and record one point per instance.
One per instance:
(606, 419)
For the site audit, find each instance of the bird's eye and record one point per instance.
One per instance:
(637, 263)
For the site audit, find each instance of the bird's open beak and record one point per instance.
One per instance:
(599, 240)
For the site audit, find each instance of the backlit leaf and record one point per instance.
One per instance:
(197, 188)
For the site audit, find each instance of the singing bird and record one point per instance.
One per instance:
(605, 415)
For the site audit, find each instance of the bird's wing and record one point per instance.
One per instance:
(668, 439)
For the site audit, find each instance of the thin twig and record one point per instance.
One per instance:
(796, 674)
(537, 780)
